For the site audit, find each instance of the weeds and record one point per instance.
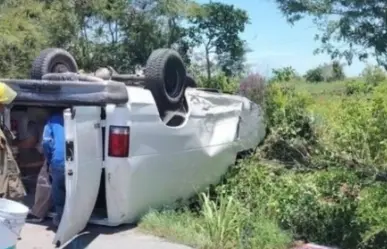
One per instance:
(221, 224)
(221, 221)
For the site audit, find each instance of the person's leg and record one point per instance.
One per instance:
(58, 192)
(43, 197)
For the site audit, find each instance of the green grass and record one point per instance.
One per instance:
(336, 87)
(180, 227)
(187, 229)
(223, 224)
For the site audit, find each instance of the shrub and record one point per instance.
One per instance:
(253, 87)
(360, 130)
(314, 75)
(292, 134)
(372, 216)
(357, 87)
(327, 72)
(319, 206)
(373, 75)
(284, 74)
(337, 71)
(219, 81)
(335, 206)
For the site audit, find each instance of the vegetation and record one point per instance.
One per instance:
(122, 34)
(285, 74)
(357, 24)
(320, 174)
(208, 28)
(326, 73)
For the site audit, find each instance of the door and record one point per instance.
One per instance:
(83, 169)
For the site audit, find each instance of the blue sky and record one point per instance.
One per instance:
(276, 43)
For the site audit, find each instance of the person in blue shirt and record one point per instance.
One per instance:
(53, 143)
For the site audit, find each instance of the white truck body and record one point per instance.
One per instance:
(163, 163)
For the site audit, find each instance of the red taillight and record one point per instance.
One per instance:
(119, 141)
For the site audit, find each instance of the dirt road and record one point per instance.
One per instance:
(94, 237)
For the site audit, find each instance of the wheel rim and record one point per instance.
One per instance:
(59, 68)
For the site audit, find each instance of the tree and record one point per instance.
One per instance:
(217, 26)
(21, 36)
(373, 75)
(117, 33)
(314, 75)
(360, 24)
(337, 71)
(326, 72)
(283, 74)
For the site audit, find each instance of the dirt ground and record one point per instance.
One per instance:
(95, 237)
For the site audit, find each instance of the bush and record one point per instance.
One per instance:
(326, 72)
(314, 75)
(284, 74)
(337, 71)
(292, 133)
(357, 87)
(360, 131)
(220, 82)
(373, 75)
(372, 216)
(334, 207)
(253, 87)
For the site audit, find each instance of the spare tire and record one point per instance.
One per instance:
(53, 60)
(165, 76)
(190, 82)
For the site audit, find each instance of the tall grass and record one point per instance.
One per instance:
(221, 223)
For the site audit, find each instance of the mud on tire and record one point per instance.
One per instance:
(165, 76)
(53, 60)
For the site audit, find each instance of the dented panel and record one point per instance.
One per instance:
(170, 163)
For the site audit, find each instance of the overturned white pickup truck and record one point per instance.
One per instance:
(134, 143)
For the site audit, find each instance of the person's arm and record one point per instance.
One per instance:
(47, 142)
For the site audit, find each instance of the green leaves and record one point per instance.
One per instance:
(115, 33)
(359, 24)
(217, 26)
(283, 74)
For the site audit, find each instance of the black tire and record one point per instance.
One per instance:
(53, 60)
(165, 77)
(190, 82)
